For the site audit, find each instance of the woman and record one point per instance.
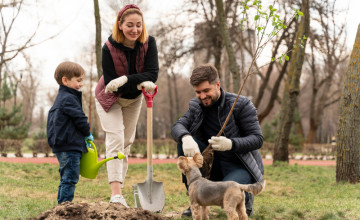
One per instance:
(129, 62)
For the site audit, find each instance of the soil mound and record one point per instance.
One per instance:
(98, 210)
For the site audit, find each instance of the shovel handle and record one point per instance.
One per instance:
(149, 97)
(149, 103)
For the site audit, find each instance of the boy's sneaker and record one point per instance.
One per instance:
(119, 199)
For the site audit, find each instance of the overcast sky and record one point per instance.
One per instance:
(75, 21)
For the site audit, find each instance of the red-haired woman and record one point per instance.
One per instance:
(130, 62)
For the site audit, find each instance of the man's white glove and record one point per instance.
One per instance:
(114, 84)
(220, 143)
(190, 147)
(148, 86)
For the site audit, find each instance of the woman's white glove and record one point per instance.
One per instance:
(114, 84)
(190, 147)
(148, 86)
(220, 143)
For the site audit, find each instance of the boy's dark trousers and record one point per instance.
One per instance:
(69, 170)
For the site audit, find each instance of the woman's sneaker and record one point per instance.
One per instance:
(119, 199)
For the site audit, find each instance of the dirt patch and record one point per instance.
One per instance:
(97, 210)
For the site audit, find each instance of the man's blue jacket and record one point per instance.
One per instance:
(243, 129)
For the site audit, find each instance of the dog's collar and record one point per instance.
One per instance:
(194, 179)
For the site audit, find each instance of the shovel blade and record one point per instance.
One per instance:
(151, 195)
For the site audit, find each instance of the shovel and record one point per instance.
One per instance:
(151, 193)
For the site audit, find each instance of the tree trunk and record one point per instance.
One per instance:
(273, 95)
(311, 137)
(98, 38)
(348, 138)
(313, 126)
(265, 81)
(275, 90)
(234, 67)
(292, 89)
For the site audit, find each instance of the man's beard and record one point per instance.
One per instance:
(210, 101)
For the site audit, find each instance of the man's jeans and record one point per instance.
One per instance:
(225, 171)
(69, 174)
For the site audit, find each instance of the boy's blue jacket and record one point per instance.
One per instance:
(67, 125)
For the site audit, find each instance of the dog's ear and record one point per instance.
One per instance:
(182, 164)
(198, 158)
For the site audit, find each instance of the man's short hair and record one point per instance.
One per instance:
(69, 70)
(202, 73)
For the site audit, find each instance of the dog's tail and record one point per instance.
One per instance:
(255, 188)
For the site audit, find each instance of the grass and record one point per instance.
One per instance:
(292, 192)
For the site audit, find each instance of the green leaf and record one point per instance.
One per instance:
(287, 58)
(257, 17)
(300, 13)
(272, 58)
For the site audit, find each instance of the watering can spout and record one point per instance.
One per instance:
(89, 165)
(119, 156)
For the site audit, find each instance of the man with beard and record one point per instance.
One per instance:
(236, 155)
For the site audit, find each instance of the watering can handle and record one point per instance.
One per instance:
(149, 97)
(94, 147)
(92, 144)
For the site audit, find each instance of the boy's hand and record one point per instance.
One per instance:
(148, 86)
(114, 84)
(220, 143)
(89, 138)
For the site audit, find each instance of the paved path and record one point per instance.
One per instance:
(53, 160)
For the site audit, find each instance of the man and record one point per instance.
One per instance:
(236, 155)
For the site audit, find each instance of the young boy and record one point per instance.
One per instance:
(67, 127)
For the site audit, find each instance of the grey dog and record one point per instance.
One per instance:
(204, 193)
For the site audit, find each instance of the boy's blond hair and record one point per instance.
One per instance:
(69, 70)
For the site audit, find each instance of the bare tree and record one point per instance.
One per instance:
(172, 51)
(8, 50)
(292, 88)
(234, 67)
(98, 43)
(28, 87)
(348, 138)
(327, 54)
(289, 39)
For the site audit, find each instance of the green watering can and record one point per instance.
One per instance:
(89, 165)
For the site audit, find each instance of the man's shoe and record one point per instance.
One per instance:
(187, 213)
(249, 205)
(249, 212)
